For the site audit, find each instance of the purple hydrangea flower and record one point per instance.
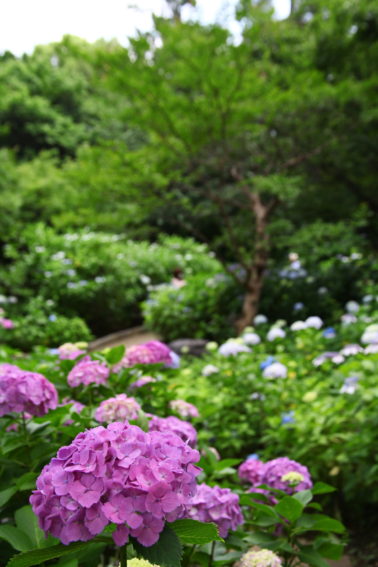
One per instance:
(142, 381)
(69, 351)
(218, 505)
(351, 350)
(119, 474)
(183, 429)
(251, 470)
(6, 323)
(88, 371)
(23, 391)
(119, 408)
(184, 409)
(275, 475)
(151, 352)
(329, 333)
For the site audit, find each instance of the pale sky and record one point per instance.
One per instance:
(27, 23)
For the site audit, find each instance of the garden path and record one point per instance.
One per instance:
(128, 337)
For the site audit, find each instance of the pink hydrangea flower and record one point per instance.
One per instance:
(119, 474)
(6, 323)
(175, 425)
(69, 351)
(23, 391)
(251, 471)
(184, 409)
(119, 408)
(88, 371)
(151, 352)
(276, 475)
(142, 381)
(218, 505)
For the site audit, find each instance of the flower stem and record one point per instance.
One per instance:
(211, 557)
(123, 556)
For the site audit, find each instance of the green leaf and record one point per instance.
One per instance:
(289, 508)
(330, 550)
(115, 354)
(226, 463)
(263, 540)
(304, 497)
(15, 537)
(328, 525)
(26, 481)
(311, 557)
(194, 532)
(27, 521)
(6, 495)
(322, 488)
(166, 551)
(38, 556)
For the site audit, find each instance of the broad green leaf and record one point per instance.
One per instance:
(289, 508)
(166, 551)
(15, 537)
(6, 495)
(27, 521)
(322, 488)
(26, 481)
(38, 556)
(194, 532)
(304, 497)
(311, 557)
(330, 550)
(115, 354)
(328, 525)
(226, 463)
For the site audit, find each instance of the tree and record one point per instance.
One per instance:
(230, 127)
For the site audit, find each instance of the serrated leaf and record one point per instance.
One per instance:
(328, 525)
(38, 556)
(166, 551)
(194, 532)
(15, 537)
(27, 521)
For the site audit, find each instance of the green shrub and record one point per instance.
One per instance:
(99, 277)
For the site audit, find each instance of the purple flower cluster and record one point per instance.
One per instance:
(23, 391)
(251, 471)
(142, 381)
(175, 425)
(117, 474)
(69, 351)
(218, 505)
(150, 352)
(88, 371)
(281, 474)
(6, 323)
(184, 409)
(119, 408)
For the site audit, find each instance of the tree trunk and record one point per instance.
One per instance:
(255, 278)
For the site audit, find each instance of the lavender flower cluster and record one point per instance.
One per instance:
(184, 409)
(120, 408)
(88, 371)
(218, 505)
(281, 474)
(151, 352)
(23, 391)
(118, 474)
(183, 429)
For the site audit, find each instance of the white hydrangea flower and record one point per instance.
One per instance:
(275, 370)
(275, 333)
(314, 322)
